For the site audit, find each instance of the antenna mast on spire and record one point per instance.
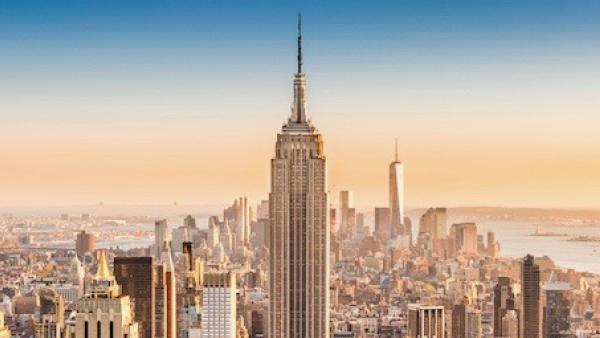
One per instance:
(396, 155)
(299, 43)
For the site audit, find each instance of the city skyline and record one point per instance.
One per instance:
(483, 116)
(196, 217)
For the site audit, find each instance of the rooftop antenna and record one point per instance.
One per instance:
(299, 43)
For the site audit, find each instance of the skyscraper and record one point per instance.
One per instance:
(165, 295)
(161, 234)
(465, 237)
(243, 221)
(382, 224)
(135, 275)
(189, 298)
(473, 324)
(397, 197)
(433, 221)
(557, 320)
(510, 324)
(531, 317)
(459, 320)
(346, 204)
(218, 294)
(504, 301)
(299, 236)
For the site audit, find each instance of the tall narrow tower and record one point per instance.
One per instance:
(397, 197)
(299, 235)
(165, 295)
(531, 319)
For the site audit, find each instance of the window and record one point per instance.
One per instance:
(85, 329)
(112, 329)
(99, 329)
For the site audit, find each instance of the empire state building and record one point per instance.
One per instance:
(299, 235)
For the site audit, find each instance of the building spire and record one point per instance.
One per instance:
(299, 43)
(299, 105)
(396, 153)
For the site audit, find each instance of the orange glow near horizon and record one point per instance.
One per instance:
(195, 163)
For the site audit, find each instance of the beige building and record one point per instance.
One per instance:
(433, 221)
(165, 296)
(465, 237)
(473, 324)
(104, 312)
(4, 331)
(346, 208)
(426, 321)
(161, 234)
(510, 324)
(299, 236)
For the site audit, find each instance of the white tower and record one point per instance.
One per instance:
(397, 197)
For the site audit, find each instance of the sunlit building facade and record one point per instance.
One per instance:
(299, 236)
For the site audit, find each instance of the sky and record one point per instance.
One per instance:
(493, 103)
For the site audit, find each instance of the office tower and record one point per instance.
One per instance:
(396, 200)
(178, 237)
(510, 324)
(299, 238)
(459, 312)
(77, 275)
(238, 217)
(465, 237)
(105, 312)
(531, 323)
(161, 235)
(262, 210)
(425, 321)
(332, 220)
(346, 203)
(219, 305)
(493, 247)
(50, 321)
(260, 232)
(557, 321)
(4, 331)
(227, 238)
(350, 221)
(165, 296)
(473, 324)
(135, 275)
(85, 243)
(382, 224)
(504, 301)
(189, 222)
(242, 221)
(214, 233)
(433, 221)
(189, 294)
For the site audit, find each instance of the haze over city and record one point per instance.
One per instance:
(299, 170)
(493, 103)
